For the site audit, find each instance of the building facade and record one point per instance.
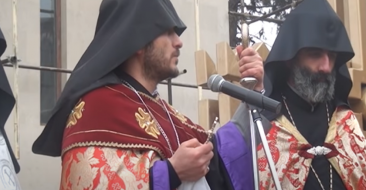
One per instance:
(55, 33)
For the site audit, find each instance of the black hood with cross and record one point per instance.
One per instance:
(312, 24)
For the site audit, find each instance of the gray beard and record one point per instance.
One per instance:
(309, 85)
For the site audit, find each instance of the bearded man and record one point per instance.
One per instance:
(112, 129)
(8, 163)
(316, 142)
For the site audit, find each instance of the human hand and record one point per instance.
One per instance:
(251, 65)
(191, 160)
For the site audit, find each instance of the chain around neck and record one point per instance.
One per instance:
(166, 138)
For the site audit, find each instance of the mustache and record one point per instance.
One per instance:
(176, 53)
(315, 77)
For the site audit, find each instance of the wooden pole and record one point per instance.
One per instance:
(354, 19)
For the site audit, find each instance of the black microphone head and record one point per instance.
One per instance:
(214, 83)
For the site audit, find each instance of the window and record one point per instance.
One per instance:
(50, 55)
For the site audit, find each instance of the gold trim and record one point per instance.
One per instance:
(113, 145)
(113, 132)
(288, 126)
(334, 124)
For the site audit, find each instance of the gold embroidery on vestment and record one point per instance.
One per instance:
(147, 123)
(180, 116)
(76, 114)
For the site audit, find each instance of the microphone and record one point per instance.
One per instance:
(216, 83)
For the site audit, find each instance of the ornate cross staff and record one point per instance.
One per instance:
(227, 66)
(250, 82)
(247, 82)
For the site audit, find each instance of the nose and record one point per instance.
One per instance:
(326, 65)
(177, 42)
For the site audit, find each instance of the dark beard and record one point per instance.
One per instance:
(156, 66)
(314, 87)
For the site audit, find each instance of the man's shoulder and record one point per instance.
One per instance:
(106, 98)
(344, 113)
(104, 92)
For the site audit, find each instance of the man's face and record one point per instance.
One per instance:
(161, 57)
(313, 74)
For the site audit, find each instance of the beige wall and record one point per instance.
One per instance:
(79, 19)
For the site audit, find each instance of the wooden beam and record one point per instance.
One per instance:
(354, 18)
(227, 107)
(205, 67)
(357, 30)
(208, 110)
(359, 107)
(227, 62)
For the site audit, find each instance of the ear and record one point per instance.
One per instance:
(139, 55)
(140, 52)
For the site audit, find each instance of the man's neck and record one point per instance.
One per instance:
(149, 85)
(135, 72)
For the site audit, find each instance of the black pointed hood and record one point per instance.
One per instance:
(313, 23)
(7, 102)
(123, 27)
(2, 43)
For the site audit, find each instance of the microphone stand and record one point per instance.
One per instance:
(254, 148)
(257, 120)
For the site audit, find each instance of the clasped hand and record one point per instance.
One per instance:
(191, 160)
(251, 65)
